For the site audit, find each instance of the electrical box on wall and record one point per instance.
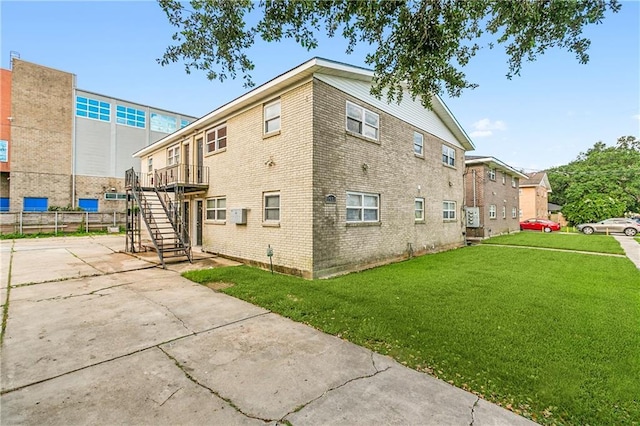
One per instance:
(239, 216)
(473, 217)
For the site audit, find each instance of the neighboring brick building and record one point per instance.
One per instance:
(70, 147)
(5, 137)
(491, 197)
(330, 178)
(534, 196)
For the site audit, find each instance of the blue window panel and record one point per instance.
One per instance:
(93, 102)
(131, 116)
(121, 114)
(35, 204)
(93, 109)
(81, 99)
(140, 113)
(141, 125)
(120, 108)
(82, 106)
(88, 204)
(131, 123)
(104, 117)
(131, 111)
(121, 120)
(93, 115)
(4, 204)
(81, 113)
(105, 105)
(184, 123)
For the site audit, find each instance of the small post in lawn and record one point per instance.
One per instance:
(270, 254)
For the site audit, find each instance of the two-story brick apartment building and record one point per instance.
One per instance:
(330, 178)
(534, 196)
(492, 197)
(64, 146)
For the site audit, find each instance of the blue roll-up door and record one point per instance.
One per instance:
(34, 204)
(88, 204)
(4, 204)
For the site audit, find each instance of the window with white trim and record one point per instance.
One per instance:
(272, 207)
(115, 196)
(362, 121)
(448, 156)
(504, 212)
(514, 182)
(363, 207)
(514, 213)
(173, 155)
(150, 164)
(216, 139)
(504, 178)
(271, 116)
(448, 210)
(217, 208)
(419, 209)
(418, 143)
(492, 174)
(492, 211)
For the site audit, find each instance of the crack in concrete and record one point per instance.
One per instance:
(213, 392)
(57, 280)
(91, 293)
(84, 261)
(5, 307)
(366, 376)
(167, 309)
(169, 397)
(473, 410)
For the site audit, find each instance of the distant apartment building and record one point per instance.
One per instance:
(534, 196)
(492, 197)
(67, 147)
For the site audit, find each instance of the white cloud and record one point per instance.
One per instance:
(636, 117)
(485, 128)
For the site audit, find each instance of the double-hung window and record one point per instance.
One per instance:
(492, 174)
(514, 212)
(271, 113)
(216, 138)
(272, 207)
(418, 143)
(419, 209)
(362, 121)
(363, 207)
(150, 164)
(492, 211)
(173, 155)
(504, 212)
(449, 210)
(448, 156)
(217, 208)
(513, 182)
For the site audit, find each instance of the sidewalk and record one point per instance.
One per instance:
(95, 336)
(631, 248)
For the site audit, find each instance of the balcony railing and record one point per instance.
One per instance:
(182, 174)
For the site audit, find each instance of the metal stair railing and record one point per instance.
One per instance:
(172, 210)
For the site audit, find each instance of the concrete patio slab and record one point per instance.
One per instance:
(145, 388)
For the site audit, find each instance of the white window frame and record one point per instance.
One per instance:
(268, 209)
(449, 210)
(514, 213)
(219, 209)
(418, 145)
(492, 174)
(217, 139)
(150, 164)
(492, 211)
(448, 156)
(504, 212)
(269, 116)
(173, 155)
(363, 208)
(513, 181)
(419, 209)
(356, 114)
(504, 178)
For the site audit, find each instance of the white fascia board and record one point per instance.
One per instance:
(445, 114)
(496, 164)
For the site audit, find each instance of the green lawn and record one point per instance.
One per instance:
(580, 242)
(552, 335)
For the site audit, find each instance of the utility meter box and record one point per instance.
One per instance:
(473, 217)
(239, 216)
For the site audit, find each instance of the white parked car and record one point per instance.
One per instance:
(619, 224)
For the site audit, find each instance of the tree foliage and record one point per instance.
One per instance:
(420, 45)
(602, 182)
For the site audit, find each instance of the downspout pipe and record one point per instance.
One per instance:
(73, 144)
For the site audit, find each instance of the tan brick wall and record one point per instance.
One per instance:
(490, 192)
(96, 187)
(42, 108)
(534, 202)
(394, 172)
(251, 165)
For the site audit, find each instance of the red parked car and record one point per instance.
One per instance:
(539, 225)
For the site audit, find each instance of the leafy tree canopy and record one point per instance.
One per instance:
(421, 45)
(602, 182)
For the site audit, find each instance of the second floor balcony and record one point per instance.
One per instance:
(186, 177)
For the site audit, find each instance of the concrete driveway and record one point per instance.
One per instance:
(95, 336)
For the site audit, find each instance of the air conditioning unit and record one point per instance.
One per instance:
(238, 216)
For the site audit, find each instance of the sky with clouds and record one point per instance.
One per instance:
(556, 109)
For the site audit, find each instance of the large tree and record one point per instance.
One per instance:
(602, 182)
(420, 45)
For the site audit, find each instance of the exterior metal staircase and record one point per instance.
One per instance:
(161, 216)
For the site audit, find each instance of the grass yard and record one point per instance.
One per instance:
(551, 335)
(579, 242)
